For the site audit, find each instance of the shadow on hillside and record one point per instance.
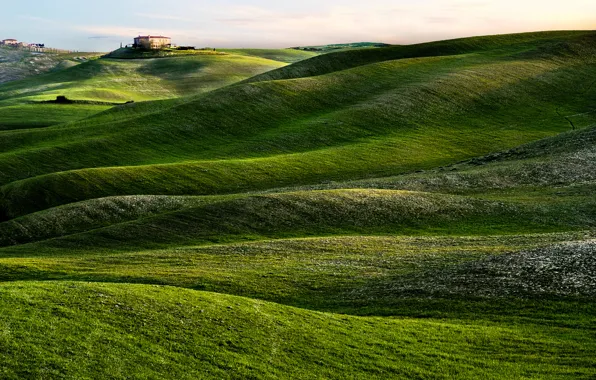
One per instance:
(175, 71)
(4, 216)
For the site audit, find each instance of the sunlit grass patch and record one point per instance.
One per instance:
(356, 273)
(89, 330)
(43, 115)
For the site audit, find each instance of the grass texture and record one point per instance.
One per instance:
(422, 211)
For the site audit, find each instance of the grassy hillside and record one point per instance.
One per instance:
(27, 116)
(217, 336)
(374, 120)
(18, 64)
(558, 173)
(281, 55)
(142, 79)
(421, 211)
(119, 81)
(547, 42)
(335, 47)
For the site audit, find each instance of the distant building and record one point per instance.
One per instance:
(9, 42)
(152, 42)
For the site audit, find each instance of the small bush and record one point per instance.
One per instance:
(61, 99)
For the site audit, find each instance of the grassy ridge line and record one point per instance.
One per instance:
(562, 165)
(317, 213)
(261, 106)
(571, 170)
(63, 328)
(118, 80)
(106, 80)
(361, 275)
(425, 143)
(93, 214)
(338, 61)
(128, 53)
(44, 115)
(236, 176)
(214, 126)
(281, 55)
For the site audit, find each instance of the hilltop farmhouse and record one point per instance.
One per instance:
(37, 47)
(152, 42)
(9, 42)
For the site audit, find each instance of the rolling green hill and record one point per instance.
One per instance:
(92, 329)
(559, 172)
(281, 55)
(18, 64)
(336, 47)
(422, 211)
(138, 79)
(118, 81)
(534, 44)
(374, 120)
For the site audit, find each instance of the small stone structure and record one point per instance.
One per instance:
(152, 42)
(9, 42)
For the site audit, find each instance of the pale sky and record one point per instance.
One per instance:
(102, 25)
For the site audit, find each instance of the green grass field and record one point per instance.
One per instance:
(281, 55)
(409, 212)
(122, 80)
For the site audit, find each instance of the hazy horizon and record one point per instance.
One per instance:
(74, 25)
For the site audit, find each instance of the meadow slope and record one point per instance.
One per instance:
(375, 120)
(421, 211)
(100, 83)
(556, 173)
(16, 64)
(91, 329)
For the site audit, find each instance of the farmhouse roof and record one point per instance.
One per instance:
(9, 39)
(152, 37)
